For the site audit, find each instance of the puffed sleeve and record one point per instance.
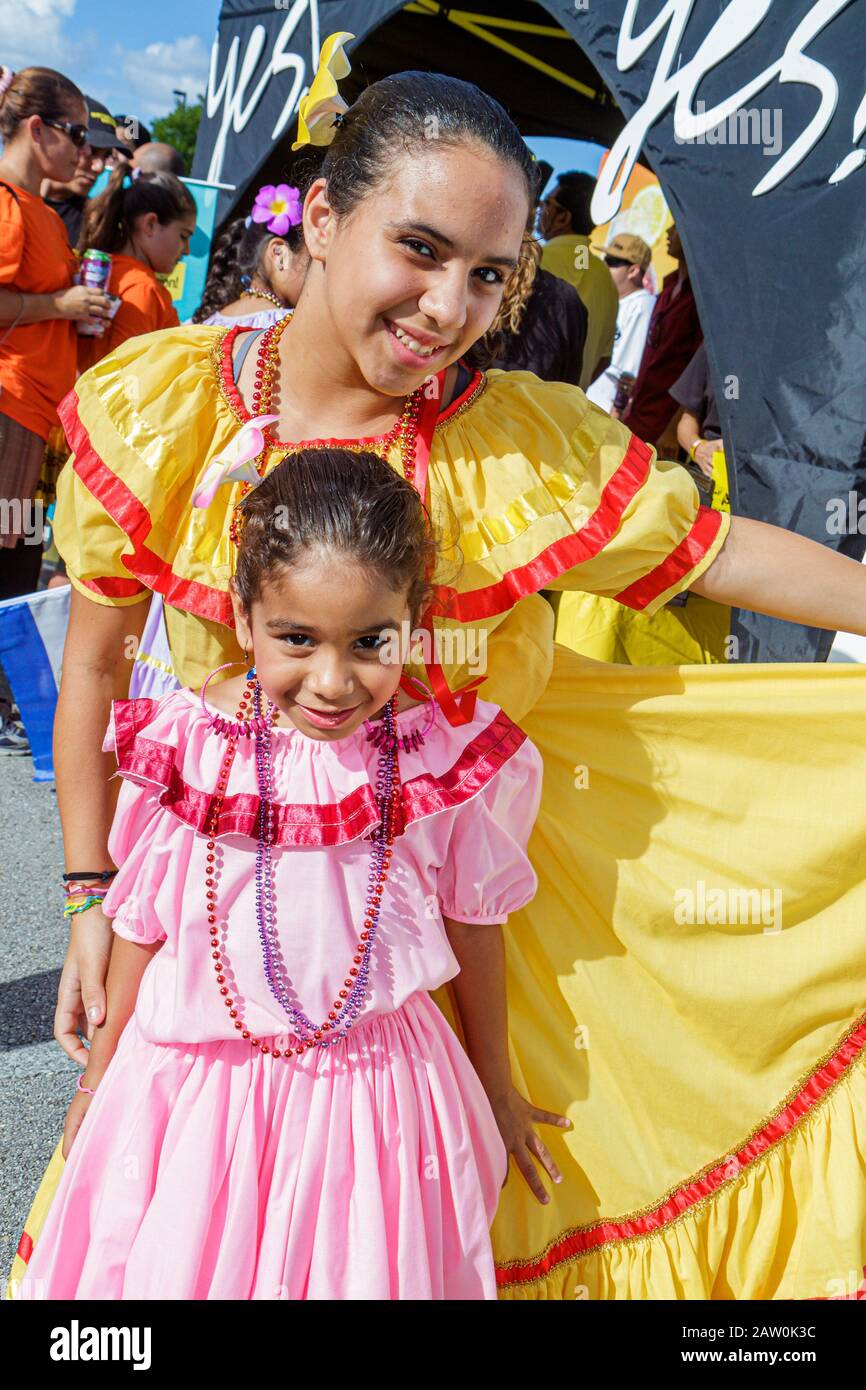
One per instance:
(129, 900)
(542, 490)
(143, 424)
(487, 874)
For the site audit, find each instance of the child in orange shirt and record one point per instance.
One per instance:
(145, 222)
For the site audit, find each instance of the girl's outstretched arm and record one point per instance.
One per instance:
(774, 571)
(129, 960)
(480, 993)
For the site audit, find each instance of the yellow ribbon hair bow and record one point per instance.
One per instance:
(323, 100)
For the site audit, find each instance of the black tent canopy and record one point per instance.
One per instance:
(515, 49)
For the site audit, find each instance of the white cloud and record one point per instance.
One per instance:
(31, 33)
(154, 73)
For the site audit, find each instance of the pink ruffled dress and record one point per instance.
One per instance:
(368, 1170)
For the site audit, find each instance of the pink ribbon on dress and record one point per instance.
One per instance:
(234, 463)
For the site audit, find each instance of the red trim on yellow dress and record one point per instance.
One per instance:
(684, 558)
(115, 588)
(563, 554)
(122, 505)
(301, 825)
(585, 1239)
(25, 1247)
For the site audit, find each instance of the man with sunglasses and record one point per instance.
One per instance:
(627, 257)
(565, 222)
(674, 336)
(96, 142)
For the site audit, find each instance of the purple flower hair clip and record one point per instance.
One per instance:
(279, 207)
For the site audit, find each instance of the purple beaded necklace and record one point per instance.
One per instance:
(387, 786)
(350, 1000)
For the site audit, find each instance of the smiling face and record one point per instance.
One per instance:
(318, 634)
(91, 163)
(436, 242)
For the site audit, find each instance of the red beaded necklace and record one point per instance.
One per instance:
(348, 1003)
(404, 432)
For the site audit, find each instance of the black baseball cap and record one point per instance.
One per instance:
(134, 130)
(101, 131)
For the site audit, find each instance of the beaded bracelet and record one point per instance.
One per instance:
(75, 905)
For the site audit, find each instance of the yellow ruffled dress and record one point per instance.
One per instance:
(689, 984)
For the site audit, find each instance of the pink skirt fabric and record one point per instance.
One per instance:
(209, 1171)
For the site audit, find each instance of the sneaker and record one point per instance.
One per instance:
(13, 739)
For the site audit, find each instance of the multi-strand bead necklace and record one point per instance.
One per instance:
(252, 720)
(403, 433)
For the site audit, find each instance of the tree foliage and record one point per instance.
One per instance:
(180, 129)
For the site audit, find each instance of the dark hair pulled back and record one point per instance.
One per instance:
(110, 218)
(237, 255)
(408, 109)
(37, 92)
(355, 505)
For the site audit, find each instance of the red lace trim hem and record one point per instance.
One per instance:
(585, 1239)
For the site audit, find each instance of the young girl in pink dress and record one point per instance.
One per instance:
(274, 1107)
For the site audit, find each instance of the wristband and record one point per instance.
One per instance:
(97, 876)
(693, 449)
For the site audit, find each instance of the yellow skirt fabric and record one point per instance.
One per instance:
(696, 632)
(689, 986)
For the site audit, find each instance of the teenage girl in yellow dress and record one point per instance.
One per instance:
(689, 984)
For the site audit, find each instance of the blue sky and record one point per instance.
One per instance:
(130, 55)
(133, 55)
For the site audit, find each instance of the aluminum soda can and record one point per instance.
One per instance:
(95, 273)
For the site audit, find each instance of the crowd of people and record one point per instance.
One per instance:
(56, 143)
(324, 458)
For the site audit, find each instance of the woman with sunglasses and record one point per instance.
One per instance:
(43, 121)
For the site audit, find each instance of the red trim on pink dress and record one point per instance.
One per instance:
(300, 825)
(582, 1241)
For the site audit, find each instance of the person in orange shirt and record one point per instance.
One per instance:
(145, 222)
(43, 121)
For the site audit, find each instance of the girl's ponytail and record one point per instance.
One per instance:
(110, 218)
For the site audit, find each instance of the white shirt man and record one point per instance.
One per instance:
(627, 257)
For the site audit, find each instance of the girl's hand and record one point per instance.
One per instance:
(515, 1116)
(82, 302)
(78, 1108)
(82, 982)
